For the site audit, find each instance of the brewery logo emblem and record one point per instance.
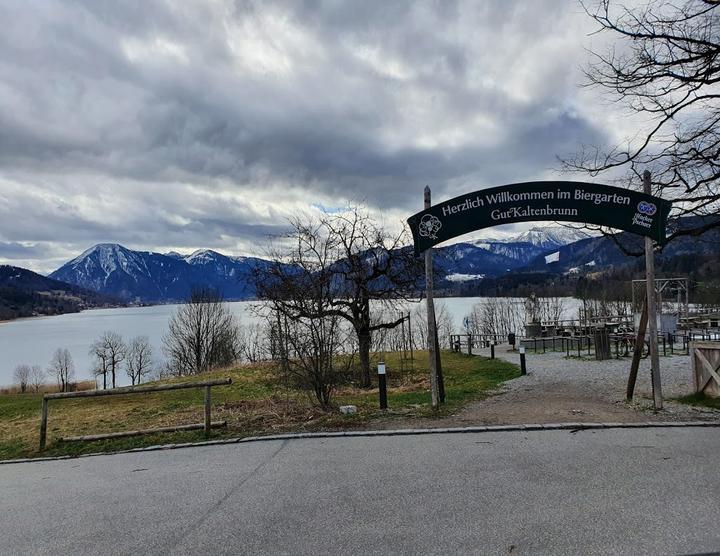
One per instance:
(646, 208)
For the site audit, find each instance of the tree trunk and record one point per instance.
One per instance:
(364, 349)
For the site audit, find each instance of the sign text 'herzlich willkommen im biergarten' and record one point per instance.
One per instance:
(589, 203)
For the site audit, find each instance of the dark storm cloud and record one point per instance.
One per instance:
(10, 250)
(206, 124)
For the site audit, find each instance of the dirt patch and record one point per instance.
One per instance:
(547, 403)
(558, 389)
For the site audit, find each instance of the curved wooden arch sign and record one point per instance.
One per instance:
(569, 201)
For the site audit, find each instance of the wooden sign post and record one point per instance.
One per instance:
(652, 310)
(432, 329)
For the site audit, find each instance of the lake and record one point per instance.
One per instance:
(33, 341)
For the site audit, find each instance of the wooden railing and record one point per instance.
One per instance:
(207, 425)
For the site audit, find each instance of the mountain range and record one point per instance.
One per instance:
(148, 277)
(113, 272)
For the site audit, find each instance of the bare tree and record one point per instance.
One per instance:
(109, 351)
(37, 377)
(552, 309)
(62, 368)
(666, 68)
(252, 342)
(312, 349)
(139, 359)
(203, 334)
(347, 260)
(495, 316)
(21, 375)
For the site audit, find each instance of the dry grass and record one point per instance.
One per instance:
(255, 403)
(48, 388)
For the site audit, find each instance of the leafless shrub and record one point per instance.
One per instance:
(312, 359)
(203, 335)
(21, 375)
(37, 377)
(495, 316)
(253, 342)
(139, 359)
(109, 351)
(62, 368)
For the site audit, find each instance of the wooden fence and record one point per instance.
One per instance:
(705, 358)
(207, 425)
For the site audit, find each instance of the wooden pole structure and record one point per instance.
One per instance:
(207, 384)
(438, 367)
(137, 389)
(652, 310)
(125, 434)
(412, 357)
(637, 352)
(432, 331)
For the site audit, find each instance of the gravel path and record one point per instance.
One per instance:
(559, 389)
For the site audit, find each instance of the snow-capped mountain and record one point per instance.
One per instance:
(142, 276)
(528, 245)
(551, 237)
(154, 277)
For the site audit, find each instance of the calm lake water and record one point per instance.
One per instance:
(33, 341)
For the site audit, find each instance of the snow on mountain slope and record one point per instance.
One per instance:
(551, 237)
(152, 277)
(144, 276)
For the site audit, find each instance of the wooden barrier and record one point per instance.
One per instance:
(601, 339)
(705, 360)
(207, 425)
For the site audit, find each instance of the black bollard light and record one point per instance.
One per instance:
(382, 385)
(492, 350)
(523, 369)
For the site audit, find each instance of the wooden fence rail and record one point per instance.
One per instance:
(207, 425)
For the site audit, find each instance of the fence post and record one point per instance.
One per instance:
(207, 411)
(470, 344)
(43, 423)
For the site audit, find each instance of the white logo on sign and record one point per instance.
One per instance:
(429, 226)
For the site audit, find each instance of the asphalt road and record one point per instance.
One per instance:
(639, 491)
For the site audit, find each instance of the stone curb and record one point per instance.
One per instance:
(574, 427)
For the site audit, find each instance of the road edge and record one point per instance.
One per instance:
(389, 432)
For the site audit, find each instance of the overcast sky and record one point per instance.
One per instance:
(183, 125)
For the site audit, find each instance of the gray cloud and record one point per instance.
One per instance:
(183, 125)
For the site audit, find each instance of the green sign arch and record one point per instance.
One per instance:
(569, 201)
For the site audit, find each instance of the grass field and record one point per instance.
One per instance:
(255, 403)
(701, 400)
